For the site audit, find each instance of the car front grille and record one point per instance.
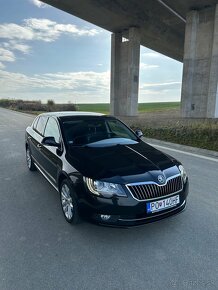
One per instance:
(151, 190)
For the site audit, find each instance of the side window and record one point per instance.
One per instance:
(35, 123)
(52, 129)
(41, 125)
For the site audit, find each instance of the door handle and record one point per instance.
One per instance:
(39, 146)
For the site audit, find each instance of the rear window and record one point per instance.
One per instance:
(40, 127)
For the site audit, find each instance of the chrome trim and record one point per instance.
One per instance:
(153, 216)
(153, 182)
(42, 168)
(41, 171)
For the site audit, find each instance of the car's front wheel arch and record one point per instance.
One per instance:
(30, 163)
(61, 177)
(69, 200)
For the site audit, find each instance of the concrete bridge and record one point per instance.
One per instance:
(185, 30)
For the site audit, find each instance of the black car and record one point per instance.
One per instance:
(103, 170)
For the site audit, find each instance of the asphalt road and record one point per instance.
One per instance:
(39, 250)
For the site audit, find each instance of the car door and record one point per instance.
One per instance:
(51, 156)
(36, 138)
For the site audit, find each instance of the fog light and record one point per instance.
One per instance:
(105, 217)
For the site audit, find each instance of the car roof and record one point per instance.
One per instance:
(71, 114)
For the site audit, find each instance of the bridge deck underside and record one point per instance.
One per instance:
(161, 30)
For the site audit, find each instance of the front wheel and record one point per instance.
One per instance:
(29, 160)
(69, 203)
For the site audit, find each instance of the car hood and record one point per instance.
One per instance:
(121, 163)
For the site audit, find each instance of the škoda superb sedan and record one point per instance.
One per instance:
(103, 170)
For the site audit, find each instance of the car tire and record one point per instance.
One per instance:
(30, 164)
(69, 203)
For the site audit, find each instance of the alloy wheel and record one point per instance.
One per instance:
(67, 202)
(28, 158)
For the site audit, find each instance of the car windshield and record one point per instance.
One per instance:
(83, 131)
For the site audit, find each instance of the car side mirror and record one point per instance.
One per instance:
(50, 141)
(139, 133)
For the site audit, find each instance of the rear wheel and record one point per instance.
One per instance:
(29, 160)
(69, 203)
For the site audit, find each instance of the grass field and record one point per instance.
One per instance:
(142, 107)
(38, 107)
(196, 133)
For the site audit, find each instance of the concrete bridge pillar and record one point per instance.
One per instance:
(125, 56)
(200, 66)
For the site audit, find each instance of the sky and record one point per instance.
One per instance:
(46, 53)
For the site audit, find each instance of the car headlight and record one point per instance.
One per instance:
(105, 189)
(183, 173)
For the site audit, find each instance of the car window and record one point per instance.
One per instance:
(40, 127)
(83, 131)
(117, 128)
(88, 130)
(35, 123)
(52, 130)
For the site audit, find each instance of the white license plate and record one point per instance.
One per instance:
(162, 204)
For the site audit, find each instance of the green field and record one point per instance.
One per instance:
(152, 107)
(37, 106)
(142, 107)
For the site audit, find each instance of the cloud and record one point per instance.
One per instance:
(47, 30)
(153, 85)
(6, 55)
(38, 3)
(83, 86)
(43, 30)
(168, 91)
(82, 82)
(152, 54)
(7, 48)
(2, 65)
(15, 31)
(77, 87)
(147, 66)
(16, 45)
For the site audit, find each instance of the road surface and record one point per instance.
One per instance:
(40, 250)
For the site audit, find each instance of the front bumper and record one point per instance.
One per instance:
(155, 217)
(127, 212)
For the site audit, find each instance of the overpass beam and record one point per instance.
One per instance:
(125, 57)
(200, 65)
